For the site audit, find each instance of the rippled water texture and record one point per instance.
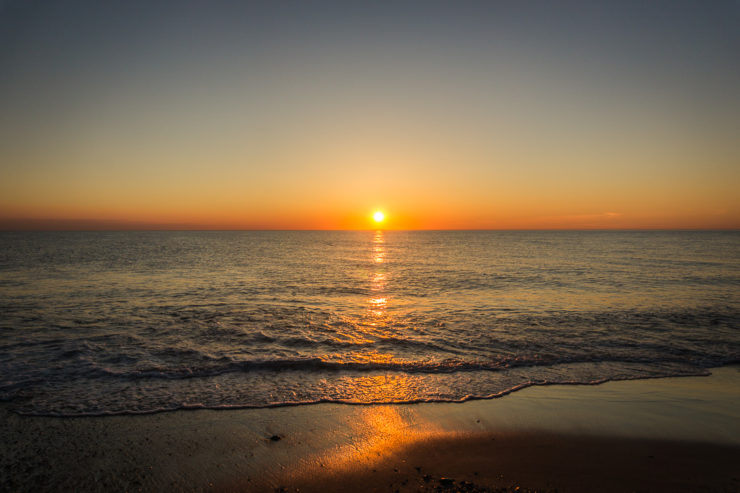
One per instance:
(98, 323)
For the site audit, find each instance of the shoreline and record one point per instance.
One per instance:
(692, 425)
(464, 400)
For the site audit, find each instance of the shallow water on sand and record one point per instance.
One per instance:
(127, 322)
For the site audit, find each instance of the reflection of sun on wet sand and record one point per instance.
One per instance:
(385, 429)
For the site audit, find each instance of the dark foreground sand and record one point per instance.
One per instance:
(678, 434)
(541, 462)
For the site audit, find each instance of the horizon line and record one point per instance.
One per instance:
(224, 230)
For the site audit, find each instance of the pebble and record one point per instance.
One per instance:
(446, 481)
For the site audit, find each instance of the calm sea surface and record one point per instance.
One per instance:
(105, 323)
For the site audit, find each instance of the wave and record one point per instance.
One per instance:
(466, 398)
(309, 365)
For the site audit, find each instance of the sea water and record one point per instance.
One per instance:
(96, 323)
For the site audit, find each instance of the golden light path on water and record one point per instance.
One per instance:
(373, 326)
(378, 300)
(377, 430)
(397, 386)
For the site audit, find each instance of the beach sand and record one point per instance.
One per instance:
(674, 434)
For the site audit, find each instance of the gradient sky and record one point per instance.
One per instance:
(305, 115)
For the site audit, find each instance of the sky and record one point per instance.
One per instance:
(314, 115)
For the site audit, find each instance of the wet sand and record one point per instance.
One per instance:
(541, 462)
(677, 434)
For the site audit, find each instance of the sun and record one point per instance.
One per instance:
(378, 216)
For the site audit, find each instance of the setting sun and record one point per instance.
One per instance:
(378, 217)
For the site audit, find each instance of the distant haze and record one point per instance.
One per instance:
(313, 115)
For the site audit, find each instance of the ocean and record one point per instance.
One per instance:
(97, 323)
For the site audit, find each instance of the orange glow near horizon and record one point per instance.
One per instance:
(555, 219)
(425, 194)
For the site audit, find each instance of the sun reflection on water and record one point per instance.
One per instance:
(378, 282)
(372, 331)
(379, 301)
